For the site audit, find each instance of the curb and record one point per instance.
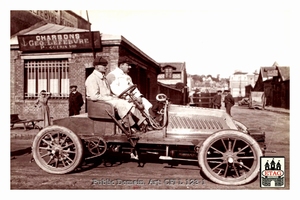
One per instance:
(22, 134)
(278, 111)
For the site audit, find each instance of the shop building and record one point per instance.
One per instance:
(52, 57)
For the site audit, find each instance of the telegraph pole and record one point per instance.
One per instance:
(91, 35)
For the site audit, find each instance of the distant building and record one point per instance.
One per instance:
(274, 81)
(174, 76)
(173, 73)
(240, 81)
(237, 83)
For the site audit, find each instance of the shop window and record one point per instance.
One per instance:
(51, 75)
(168, 72)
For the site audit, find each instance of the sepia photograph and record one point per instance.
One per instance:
(150, 96)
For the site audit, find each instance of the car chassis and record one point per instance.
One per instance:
(226, 150)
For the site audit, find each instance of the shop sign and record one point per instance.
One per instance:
(59, 41)
(59, 17)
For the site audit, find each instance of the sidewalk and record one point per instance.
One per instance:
(18, 132)
(279, 110)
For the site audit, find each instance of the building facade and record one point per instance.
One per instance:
(239, 81)
(274, 81)
(52, 57)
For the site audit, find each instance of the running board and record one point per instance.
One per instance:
(170, 158)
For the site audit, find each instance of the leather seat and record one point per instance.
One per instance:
(97, 109)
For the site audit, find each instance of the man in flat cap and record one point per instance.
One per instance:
(97, 88)
(75, 101)
(119, 81)
(216, 101)
(229, 101)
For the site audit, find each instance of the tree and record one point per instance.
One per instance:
(197, 78)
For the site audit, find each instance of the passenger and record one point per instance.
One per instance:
(119, 81)
(97, 88)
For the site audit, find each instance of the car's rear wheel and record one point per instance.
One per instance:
(230, 157)
(57, 150)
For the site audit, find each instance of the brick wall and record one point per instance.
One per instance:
(12, 81)
(78, 65)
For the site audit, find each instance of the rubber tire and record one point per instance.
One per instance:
(40, 161)
(225, 134)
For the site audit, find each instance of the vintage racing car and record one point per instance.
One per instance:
(226, 150)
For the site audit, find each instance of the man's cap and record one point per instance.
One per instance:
(219, 91)
(73, 86)
(100, 61)
(226, 91)
(125, 60)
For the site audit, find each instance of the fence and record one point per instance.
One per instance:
(203, 100)
(176, 96)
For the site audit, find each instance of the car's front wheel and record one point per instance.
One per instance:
(230, 157)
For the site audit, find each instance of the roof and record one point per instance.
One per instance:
(170, 86)
(111, 39)
(42, 28)
(54, 28)
(49, 28)
(239, 72)
(264, 71)
(178, 66)
(284, 72)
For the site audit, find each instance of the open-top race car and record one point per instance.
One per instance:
(227, 151)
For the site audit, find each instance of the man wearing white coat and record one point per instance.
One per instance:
(119, 81)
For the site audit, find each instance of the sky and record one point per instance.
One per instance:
(211, 37)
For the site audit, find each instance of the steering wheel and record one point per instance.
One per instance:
(161, 97)
(127, 91)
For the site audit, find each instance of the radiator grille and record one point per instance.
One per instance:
(178, 122)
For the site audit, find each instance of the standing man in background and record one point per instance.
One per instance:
(217, 100)
(75, 101)
(229, 101)
(196, 98)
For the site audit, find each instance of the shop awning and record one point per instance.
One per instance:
(54, 28)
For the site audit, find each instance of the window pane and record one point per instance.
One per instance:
(42, 85)
(65, 87)
(31, 84)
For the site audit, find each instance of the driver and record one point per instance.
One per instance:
(97, 88)
(119, 81)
